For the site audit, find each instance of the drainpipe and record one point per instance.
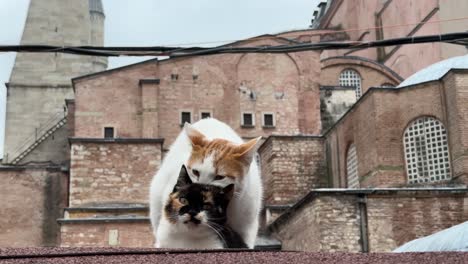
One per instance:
(364, 239)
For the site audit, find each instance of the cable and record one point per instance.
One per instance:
(325, 31)
(458, 38)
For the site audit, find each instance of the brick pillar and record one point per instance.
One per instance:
(149, 103)
(456, 96)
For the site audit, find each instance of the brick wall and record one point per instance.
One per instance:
(112, 171)
(456, 95)
(32, 200)
(329, 224)
(393, 221)
(376, 125)
(330, 220)
(136, 105)
(105, 234)
(291, 167)
(372, 74)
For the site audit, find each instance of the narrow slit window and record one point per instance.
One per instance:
(268, 120)
(205, 115)
(247, 119)
(108, 132)
(185, 117)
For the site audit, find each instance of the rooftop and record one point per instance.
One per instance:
(126, 255)
(436, 70)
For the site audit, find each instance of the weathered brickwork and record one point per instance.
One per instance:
(393, 221)
(112, 172)
(31, 201)
(102, 234)
(456, 92)
(372, 74)
(146, 99)
(375, 125)
(419, 19)
(328, 223)
(331, 220)
(291, 167)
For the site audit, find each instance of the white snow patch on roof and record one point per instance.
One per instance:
(436, 70)
(454, 238)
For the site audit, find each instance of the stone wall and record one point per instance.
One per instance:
(291, 167)
(334, 102)
(112, 171)
(40, 82)
(105, 234)
(32, 200)
(54, 149)
(327, 224)
(330, 220)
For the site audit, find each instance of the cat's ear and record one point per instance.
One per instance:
(195, 137)
(184, 179)
(247, 150)
(228, 191)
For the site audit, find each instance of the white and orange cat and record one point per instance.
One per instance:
(213, 154)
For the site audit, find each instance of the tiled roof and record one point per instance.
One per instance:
(125, 255)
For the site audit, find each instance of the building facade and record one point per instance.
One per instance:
(348, 146)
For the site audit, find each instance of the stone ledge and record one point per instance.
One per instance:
(363, 193)
(116, 140)
(336, 88)
(320, 137)
(103, 220)
(107, 208)
(31, 167)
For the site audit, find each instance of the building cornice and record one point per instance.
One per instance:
(74, 140)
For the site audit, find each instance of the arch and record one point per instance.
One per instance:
(351, 77)
(426, 151)
(364, 62)
(352, 176)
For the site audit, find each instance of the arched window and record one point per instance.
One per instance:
(350, 77)
(426, 151)
(352, 168)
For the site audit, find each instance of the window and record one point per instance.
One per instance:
(387, 85)
(185, 117)
(268, 120)
(426, 151)
(205, 115)
(259, 162)
(350, 77)
(248, 119)
(108, 132)
(352, 168)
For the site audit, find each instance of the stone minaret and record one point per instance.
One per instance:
(41, 82)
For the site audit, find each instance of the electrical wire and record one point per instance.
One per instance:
(458, 38)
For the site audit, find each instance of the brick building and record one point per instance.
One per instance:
(337, 126)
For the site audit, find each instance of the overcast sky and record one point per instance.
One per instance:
(157, 22)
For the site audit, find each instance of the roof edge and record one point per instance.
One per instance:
(282, 219)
